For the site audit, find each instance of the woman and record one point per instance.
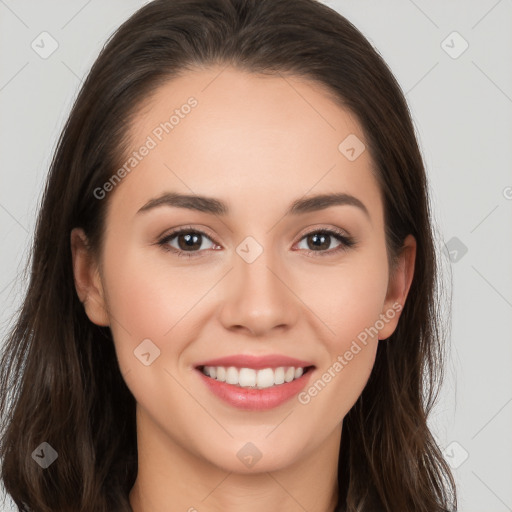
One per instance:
(232, 303)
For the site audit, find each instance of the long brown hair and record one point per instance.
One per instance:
(60, 382)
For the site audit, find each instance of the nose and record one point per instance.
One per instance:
(258, 297)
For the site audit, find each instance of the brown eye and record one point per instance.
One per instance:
(188, 241)
(320, 242)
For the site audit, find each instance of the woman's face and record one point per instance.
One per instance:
(258, 277)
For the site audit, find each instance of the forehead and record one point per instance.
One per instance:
(234, 107)
(221, 131)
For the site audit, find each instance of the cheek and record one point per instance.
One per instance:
(347, 301)
(357, 306)
(347, 298)
(146, 301)
(351, 313)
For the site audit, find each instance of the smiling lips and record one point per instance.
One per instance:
(255, 382)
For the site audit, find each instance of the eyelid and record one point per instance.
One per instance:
(319, 228)
(195, 229)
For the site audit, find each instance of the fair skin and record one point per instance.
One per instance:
(258, 144)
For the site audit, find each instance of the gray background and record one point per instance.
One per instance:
(462, 109)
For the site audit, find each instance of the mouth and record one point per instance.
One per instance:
(255, 382)
(253, 378)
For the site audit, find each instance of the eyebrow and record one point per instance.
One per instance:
(217, 207)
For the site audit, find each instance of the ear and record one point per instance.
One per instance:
(398, 288)
(88, 279)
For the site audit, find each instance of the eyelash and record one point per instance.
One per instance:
(346, 242)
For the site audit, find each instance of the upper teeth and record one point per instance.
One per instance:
(248, 377)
